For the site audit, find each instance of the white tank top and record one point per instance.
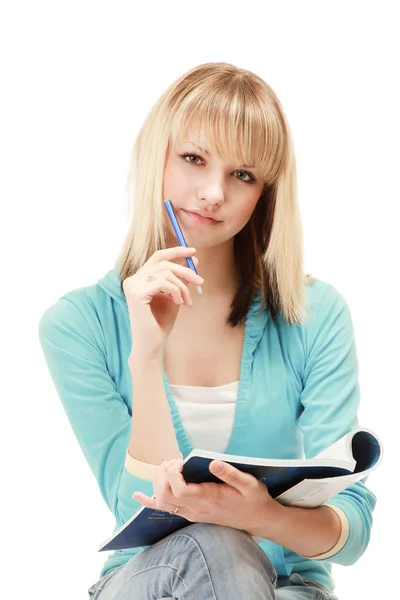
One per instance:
(207, 413)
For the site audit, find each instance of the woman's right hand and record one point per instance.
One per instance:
(154, 305)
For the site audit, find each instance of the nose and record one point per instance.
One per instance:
(212, 196)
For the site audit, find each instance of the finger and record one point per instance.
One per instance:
(177, 482)
(170, 254)
(182, 261)
(183, 492)
(244, 482)
(152, 504)
(145, 500)
(169, 276)
(165, 499)
(164, 492)
(178, 270)
(159, 285)
(167, 463)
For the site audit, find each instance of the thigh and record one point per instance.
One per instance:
(294, 587)
(198, 561)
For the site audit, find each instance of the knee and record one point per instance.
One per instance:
(226, 541)
(224, 549)
(230, 548)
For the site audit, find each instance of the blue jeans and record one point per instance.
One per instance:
(204, 562)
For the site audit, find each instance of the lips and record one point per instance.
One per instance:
(203, 214)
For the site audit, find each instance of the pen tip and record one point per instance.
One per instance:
(199, 290)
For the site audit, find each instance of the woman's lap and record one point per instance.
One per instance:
(204, 561)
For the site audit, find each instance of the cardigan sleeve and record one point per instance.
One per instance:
(343, 536)
(99, 416)
(140, 469)
(330, 399)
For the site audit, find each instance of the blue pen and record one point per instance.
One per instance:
(180, 237)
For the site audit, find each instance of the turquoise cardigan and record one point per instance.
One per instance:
(298, 393)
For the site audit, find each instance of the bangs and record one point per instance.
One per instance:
(236, 124)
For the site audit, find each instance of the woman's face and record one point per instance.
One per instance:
(196, 179)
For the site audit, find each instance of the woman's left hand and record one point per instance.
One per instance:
(242, 502)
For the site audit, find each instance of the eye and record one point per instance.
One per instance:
(251, 178)
(185, 155)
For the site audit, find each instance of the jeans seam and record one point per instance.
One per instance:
(151, 569)
(320, 595)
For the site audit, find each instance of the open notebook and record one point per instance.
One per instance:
(297, 482)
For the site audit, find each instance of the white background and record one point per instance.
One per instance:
(78, 80)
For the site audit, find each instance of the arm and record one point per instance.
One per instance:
(306, 531)
(71, 338)
(153, 435)
(330, 399)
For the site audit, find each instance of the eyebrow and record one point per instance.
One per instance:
(206, 152)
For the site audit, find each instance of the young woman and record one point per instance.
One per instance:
(263, 363)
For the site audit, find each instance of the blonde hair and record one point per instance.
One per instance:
(237, 113)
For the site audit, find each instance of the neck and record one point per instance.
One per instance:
(219, 271)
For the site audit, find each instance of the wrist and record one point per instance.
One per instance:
(140, 360)
(280, 521)
(272, 523)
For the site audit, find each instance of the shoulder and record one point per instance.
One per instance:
(322, 298)
(328, 318)
(327, 314)
(72, 315)
(71, 304)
